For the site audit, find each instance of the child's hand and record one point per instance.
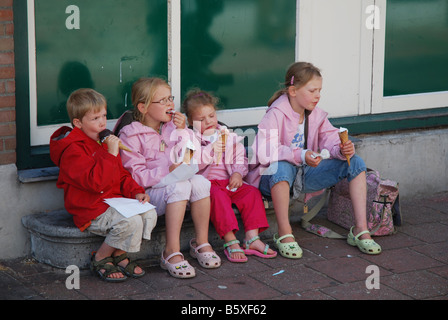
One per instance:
(112, 145)
(347, 149)
(142, 197)
(312, 161)
(218, 146)
(179, 120)
(235, 181)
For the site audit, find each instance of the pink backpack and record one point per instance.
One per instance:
(383, 205)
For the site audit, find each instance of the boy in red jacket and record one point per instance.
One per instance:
(91, 172)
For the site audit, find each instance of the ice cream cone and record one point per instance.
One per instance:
(104, 135)
(189, 152)
(188, 156)
(224, 133)
(123, 147)
(343, 135)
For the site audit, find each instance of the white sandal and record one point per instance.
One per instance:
(181, 270)
(209, 260)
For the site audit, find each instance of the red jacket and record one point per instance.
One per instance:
(88, 174)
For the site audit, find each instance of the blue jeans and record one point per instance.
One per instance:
(326, 174)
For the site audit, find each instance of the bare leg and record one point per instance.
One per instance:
(200, 213)
(280, 200)
(358, 195)
(174, 217)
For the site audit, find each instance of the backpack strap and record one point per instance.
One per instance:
(315, 228)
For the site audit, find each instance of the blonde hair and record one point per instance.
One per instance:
(196, 98)
(298, 75)
(143, 91)
(82, 101)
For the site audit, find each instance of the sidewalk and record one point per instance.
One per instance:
(413, 265)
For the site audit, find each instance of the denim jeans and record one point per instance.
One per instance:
(326, 174)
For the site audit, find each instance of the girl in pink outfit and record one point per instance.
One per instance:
(224, 163)
(289, 137)
(158, 139)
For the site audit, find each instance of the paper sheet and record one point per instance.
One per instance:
(181, 173)
(129, 207)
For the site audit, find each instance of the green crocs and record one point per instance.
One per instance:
(289, 250)
(368, 246)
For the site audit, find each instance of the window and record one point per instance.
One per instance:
(104, 45)
(416, 56)
(240, 50)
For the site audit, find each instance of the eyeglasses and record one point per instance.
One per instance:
(165, 101)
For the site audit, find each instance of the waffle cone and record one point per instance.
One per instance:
(224, 141)
(344, 138)
(188, 156)
(123, 147)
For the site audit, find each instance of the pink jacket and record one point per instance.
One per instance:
(276, 131)
(147, 163)
(235, 159)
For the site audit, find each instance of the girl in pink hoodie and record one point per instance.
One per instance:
(223, 161)
(288, 140)
(158, 139)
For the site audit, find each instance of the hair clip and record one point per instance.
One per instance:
(292, 80)
(200, 94)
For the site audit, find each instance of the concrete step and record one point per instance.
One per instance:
(56, 241)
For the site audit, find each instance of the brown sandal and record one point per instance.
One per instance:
(106, 264)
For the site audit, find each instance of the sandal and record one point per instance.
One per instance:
(207, 260)
(289, 250)
(228, 252)
(107, 265)
(181, 270)
(257, 253)
(130, 267)
(368, 246)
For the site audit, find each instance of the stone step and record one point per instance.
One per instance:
(55, 240)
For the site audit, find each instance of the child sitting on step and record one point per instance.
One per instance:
(89, 173)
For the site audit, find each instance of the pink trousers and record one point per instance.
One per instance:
(248, 201)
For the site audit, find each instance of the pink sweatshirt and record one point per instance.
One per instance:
(233, 160)
(148, 164)
(276, 131)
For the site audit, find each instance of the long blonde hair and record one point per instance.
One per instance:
(298, 75)
(143, 91)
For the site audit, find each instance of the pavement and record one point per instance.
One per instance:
(412, 266)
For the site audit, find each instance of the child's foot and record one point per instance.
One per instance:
(106, 270)
(233, 251)
(256, 247)
(129, 268)
(288, 249)
(173, 260)
(205, 254)
(236, 254)
(181, 269)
